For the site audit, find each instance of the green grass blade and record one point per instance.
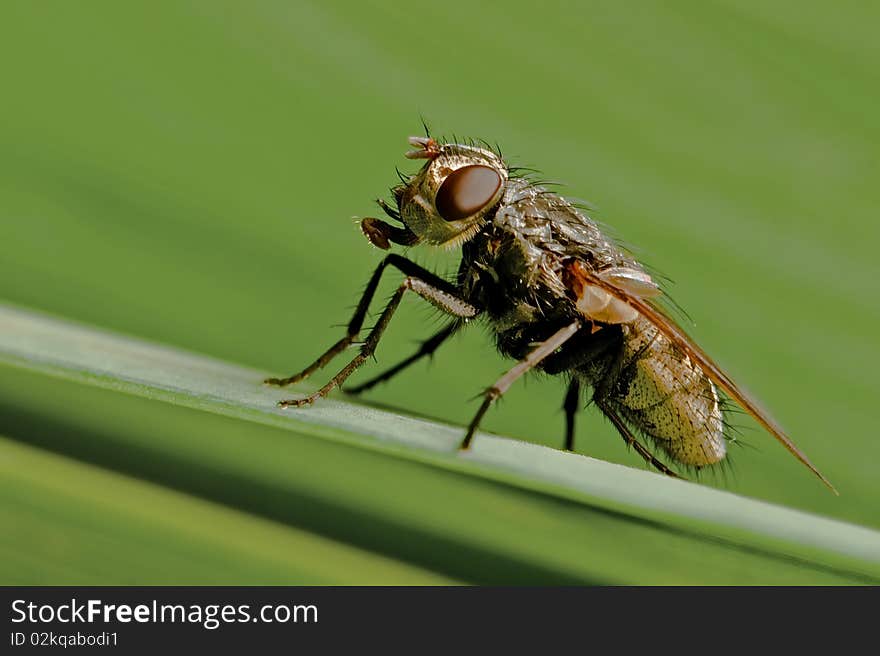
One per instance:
(507, 511)
(120, 531)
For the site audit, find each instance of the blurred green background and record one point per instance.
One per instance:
(188, 172)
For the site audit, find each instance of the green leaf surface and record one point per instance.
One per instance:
(70, 523)
(507, 511)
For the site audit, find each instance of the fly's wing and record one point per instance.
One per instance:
(651, 311)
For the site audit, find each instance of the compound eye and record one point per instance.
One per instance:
(466, 191)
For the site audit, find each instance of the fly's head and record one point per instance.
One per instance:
(447, 201)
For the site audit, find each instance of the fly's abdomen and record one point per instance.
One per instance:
(667, 397)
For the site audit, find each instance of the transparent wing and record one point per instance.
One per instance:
(654, 313)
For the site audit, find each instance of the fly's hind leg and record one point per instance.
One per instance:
(571, 405)
(583, 349)
(631, 440)
(532, 360)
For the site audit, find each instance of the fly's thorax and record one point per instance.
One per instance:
(447, 201)
(668, 397)
(513, 279)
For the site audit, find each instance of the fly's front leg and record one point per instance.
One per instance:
(360, 313)
(446, 301)
(532, 360)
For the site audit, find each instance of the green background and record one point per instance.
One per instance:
(188, 172)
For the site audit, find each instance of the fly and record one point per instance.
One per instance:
(560, 297)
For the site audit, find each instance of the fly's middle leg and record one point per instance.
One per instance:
(426, 349)
(531, 361)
